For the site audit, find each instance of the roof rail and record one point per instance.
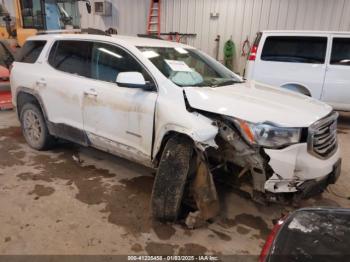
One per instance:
(61, 31)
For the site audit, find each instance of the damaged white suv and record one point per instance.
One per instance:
(173, 108)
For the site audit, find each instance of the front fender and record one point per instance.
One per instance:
(201, 131)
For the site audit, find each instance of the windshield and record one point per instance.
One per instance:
(189, 67)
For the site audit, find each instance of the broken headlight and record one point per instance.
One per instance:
(270, 136)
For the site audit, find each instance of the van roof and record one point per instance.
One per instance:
(119, 39)
(306, 32)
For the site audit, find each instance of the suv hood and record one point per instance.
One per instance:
(256, 102)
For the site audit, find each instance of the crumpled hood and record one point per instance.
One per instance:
(256, 102)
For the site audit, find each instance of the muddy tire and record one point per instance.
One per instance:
(171, 177)
(34, 127)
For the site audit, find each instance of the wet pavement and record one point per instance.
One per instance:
(74, 200)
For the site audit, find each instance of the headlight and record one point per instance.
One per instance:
(270, 136)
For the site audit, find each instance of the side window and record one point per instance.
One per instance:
(295, 49)
(32, 14)
(71, 56)
(31, 51)
(108, 61)
(340, 51)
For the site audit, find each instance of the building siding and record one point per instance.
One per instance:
(238, 19)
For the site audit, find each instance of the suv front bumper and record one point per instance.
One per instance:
(296, 170)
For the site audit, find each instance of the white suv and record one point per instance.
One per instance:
(174, 108)
(313, 63)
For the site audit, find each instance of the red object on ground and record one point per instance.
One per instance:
(5, 91)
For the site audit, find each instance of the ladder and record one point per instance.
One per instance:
(153, 27)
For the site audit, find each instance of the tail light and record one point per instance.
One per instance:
(269, 241)
(252, 54)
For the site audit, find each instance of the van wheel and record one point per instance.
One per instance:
(34, 127)
(171, 177)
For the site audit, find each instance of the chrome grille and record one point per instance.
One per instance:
(322, 138)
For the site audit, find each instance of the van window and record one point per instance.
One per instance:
(71, 56)
(341, 51)
(109, 60)
(31, 51)
(295, 49)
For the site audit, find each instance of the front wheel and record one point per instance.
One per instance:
(171, 177)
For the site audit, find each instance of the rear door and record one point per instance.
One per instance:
(286, 60)
(118, 119)
(337, 81)
(62, 84)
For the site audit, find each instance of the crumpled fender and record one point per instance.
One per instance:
(201, 130)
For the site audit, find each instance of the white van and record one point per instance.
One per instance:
(310, 62)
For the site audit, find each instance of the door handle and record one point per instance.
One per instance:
(91, 92)
(41, 82)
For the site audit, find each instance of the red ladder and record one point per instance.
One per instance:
(153, 27)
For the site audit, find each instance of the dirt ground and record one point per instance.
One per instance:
(74, 200)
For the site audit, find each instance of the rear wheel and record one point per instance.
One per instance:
(171, 177)
(34, 127)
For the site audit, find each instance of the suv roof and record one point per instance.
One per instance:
(119, 39)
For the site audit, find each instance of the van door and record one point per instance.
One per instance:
(336, 91)
(118, 119)
(290, 61)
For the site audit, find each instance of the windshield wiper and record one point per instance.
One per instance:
(227, 82)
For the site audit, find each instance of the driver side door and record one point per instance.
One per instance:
(118, 119)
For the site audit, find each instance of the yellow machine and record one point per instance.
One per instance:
(29, 17)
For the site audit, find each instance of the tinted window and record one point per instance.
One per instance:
(295, 49)
(31, 51)
(71, 56)
(108, 61)
(32, 14)
(341, 51)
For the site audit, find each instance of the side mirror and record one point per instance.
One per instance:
(133, 80)
(88, 7)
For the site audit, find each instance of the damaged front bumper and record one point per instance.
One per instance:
(296, 170)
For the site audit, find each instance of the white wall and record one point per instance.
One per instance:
(237, 18)
(128, 16)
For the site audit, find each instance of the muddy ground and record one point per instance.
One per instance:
(74, 200)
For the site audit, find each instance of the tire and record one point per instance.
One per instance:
(171, 177)
(34, 127)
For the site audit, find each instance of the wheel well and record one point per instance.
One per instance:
(297, 88)
(24, 98)
(165, 139)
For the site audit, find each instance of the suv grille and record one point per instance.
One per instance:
(322, 138)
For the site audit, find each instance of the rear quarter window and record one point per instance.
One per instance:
(31, 51)
(295, 49)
